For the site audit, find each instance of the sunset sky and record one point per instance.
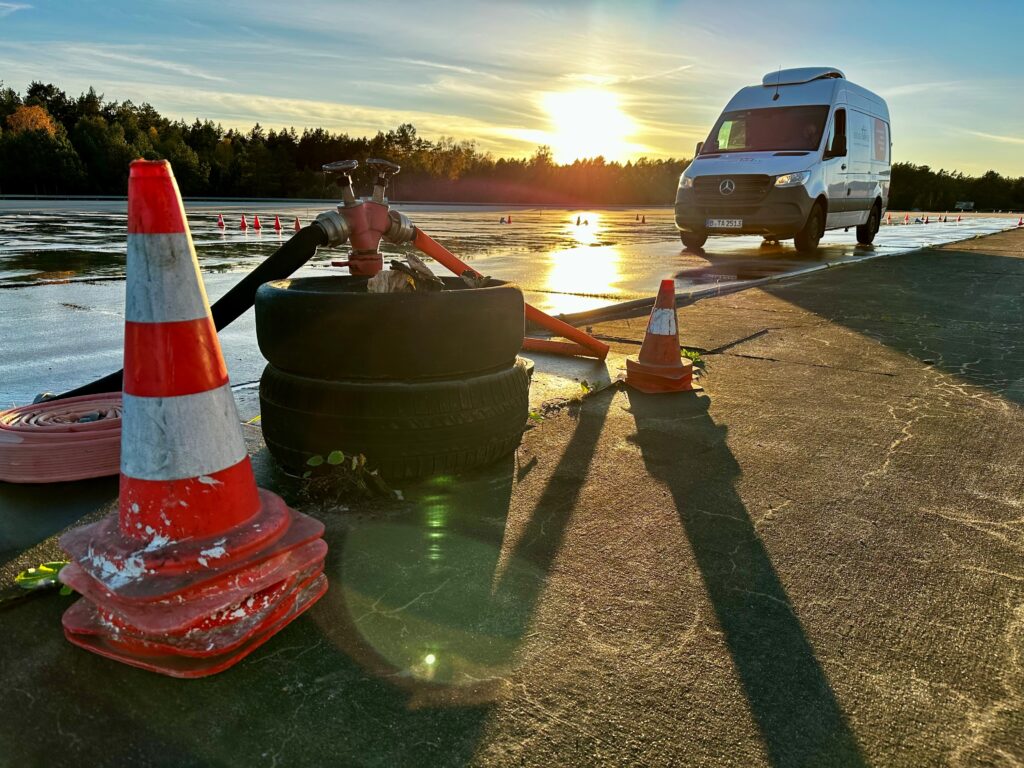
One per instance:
(621, 79)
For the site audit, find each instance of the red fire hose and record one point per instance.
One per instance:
(61, 440)
(582, 343)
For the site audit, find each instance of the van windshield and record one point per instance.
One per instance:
(767, 130)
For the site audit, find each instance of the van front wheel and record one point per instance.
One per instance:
(866, 232)
(691, 241)
(807, 239)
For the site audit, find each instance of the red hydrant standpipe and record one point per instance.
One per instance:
(364, 222)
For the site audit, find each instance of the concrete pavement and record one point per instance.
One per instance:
(818, 562)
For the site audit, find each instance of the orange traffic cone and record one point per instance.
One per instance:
(220, 220)
(958, 217)
(906, 219)
(198, 567)
(244, 224)
(1020, 221)
(297, 226)
(256, 221)
(660, 367)
(277, 223)
(643, 219)
(926, 219)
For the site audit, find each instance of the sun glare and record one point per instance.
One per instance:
(587, 123)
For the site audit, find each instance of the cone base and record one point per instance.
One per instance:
(84, 627)
(208, 593)
(656, 379)
(119, 563)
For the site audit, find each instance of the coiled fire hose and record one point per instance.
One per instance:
(61, 440)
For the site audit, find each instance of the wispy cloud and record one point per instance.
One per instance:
(148, 63)
(6, 9)
(626, 79)
(997, 137)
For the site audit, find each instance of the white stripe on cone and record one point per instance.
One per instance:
(175, 438)
(163, 282)
(663, 322)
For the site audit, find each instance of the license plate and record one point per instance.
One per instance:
(724, 223)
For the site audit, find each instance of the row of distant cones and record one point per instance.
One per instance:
(256, 224)
(926, 220)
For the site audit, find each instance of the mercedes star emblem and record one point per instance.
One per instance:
(727, 187)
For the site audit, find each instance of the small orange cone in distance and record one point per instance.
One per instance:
(244, 224)
(958, 217)
(277, 223)
(256, 221)
(888, 218)
(297, 225)
(220, 220)
(661, 367)
(906, 219)
(1020, 221)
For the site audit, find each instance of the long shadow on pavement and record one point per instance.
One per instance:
(789, 694)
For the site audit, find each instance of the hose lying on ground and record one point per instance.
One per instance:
(61, 440)
(279, 265)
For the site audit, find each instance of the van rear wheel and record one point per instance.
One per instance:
(691, 241)
(866, 232)
(807, 239)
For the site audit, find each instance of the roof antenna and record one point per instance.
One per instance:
(778, 78)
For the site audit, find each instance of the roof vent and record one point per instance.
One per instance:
(800, 75)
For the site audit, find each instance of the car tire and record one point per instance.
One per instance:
(866, 232)
(404, 428)
(691, 241)
(807, 239)
(333, 328)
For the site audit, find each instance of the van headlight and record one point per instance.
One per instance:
(685, 182)
(792, 179)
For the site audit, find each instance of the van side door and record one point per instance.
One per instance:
(835, 165)
(860, 179)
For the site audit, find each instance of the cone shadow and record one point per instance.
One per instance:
(787, 690)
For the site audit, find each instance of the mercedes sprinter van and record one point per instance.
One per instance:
(805, 151)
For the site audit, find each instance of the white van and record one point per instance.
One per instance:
(805, 151)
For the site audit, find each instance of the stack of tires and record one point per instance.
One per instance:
(420, 383)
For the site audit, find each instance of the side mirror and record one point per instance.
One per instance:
(700, 146)
(838, 147)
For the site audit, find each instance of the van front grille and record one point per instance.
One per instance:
(747, 189)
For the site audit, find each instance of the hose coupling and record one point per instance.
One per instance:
(334, 226)
(400, 229)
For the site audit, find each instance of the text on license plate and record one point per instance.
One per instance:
(724, 223)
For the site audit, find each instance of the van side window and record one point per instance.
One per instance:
(838, 128)
(880, 147)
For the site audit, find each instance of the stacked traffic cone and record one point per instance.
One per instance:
(277, 223)
(297, 226)
(198, 567)
(244, 224)
(220, 220)
(660, 367)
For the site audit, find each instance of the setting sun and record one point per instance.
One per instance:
(587, 123)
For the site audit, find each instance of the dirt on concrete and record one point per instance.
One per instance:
(816, 562)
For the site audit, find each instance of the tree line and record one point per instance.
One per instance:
(51, 143)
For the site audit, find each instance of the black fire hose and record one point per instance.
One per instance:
(279, 265)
